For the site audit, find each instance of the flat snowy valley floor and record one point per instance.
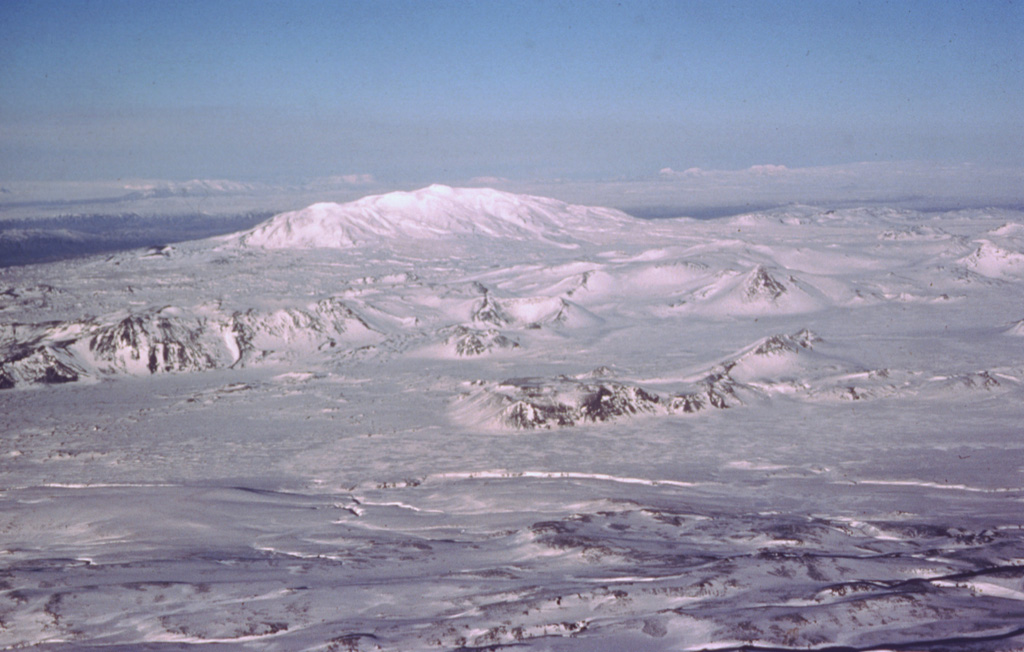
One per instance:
(467, 419)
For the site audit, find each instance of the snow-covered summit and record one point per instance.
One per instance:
(432, 212)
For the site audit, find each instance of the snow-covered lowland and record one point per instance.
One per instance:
(462, 418)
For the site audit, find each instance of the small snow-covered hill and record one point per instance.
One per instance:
(994, 261)
(433, 212)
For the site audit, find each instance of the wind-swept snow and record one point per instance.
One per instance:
(411, 422)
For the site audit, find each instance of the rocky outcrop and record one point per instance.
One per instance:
(170, 340)
(530, 403)
(759, 285)
(471, 341)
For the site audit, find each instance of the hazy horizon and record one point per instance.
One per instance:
(400, 94)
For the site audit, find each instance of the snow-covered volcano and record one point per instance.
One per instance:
(433, 212)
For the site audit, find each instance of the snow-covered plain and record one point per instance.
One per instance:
(462, 418)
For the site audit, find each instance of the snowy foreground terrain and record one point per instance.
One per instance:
(470, 419)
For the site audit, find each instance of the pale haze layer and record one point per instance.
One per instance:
(401, 94)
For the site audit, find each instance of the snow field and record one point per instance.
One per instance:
(481, 420)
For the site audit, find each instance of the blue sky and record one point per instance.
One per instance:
(416, 92)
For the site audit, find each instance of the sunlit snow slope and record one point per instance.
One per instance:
(467, 419)
(436, 211)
